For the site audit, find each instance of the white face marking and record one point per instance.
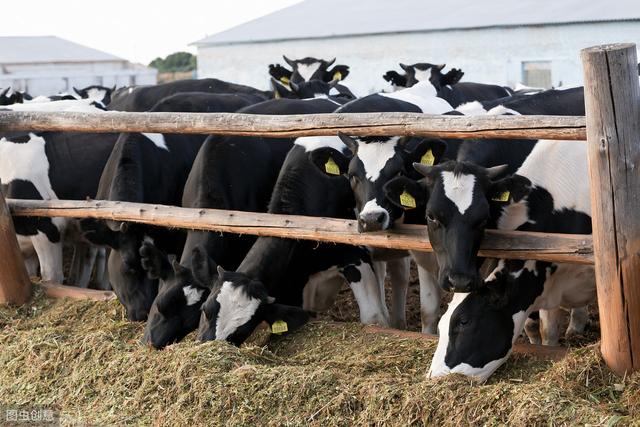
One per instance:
(438, 366)
(423, 96)
(473, 108)
(157, 139)
(375, 155)
(236, 308)
(192, 294)
(422, 75)
(27, 161)
(459, 189)
(96, 94)
(372, 207)
(306, 71)
(311, 143)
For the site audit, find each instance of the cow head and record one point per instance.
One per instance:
(129, 280)
(307, 69)
(304, 90)
(423, 71)
(238, 304)
(176, 310)
(478, 330)
(96, 93)
(374, 162)
(457, 212)
(9, 97)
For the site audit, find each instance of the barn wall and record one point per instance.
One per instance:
(492, 55)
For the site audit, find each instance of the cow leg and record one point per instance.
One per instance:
(550, 326)
(365, 284)
(102, 272)
(429, 301)
(399, 277)
(579, 321)
(84, 256)
(50, 258)
(28, 254)
(532, 328)
(321, 290)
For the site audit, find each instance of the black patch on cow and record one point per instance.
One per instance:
(351, 274)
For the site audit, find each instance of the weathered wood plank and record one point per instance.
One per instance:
(15, 285)
(532, 127)
(520, 245)
(612, 98)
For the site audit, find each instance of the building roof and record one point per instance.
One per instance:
(341, 18)
(38, 49)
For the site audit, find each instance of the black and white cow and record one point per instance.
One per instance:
(373, 161)
(143, 98)
(307, 69)
(270, 284)
(10, 96)
(448, 86)
(50, 166)
(236, 173)
(149, 168)
(549, 193)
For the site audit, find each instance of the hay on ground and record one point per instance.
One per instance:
(85, 359)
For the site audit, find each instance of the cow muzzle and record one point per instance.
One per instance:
(373, 221)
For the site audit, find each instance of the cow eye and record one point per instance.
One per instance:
(432, 219)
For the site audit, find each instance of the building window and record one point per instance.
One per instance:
(537, 74)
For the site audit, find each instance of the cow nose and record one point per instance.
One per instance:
(372, 221)
(460, 282)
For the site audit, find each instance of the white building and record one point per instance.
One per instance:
(48, 65)
(536, 42)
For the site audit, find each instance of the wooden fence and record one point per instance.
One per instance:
(612, 131)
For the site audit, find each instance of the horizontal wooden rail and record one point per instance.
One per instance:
(364, 124)
(503, 244)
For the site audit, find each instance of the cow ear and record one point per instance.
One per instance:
(512, 188)
(406, 193)
(329, 63)
(339, 72)
(280, 73)
(440, 67)
(203, 267)
(79, 92)
(496, 171)
(395, 78)
(280, 90)
(4, 92)
(154, 261)
(351, 143)
(330, 161)
(98, 233)
(428, 152)
(405, 67)
(288, 317)
(220, 270)
(452, 77)
(429, 172)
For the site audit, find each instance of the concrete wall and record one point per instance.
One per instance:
(492, 55)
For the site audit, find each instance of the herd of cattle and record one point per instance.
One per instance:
(225, 285)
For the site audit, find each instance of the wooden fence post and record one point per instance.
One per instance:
(612, 98)
(15, 286)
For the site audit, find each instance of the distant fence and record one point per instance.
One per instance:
(612, 131)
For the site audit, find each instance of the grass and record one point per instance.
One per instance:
(85, 359)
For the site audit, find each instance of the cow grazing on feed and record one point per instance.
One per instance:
(149, 168)
(448, 86)
(272, 282)
(549, 193)
(143, 98)
(236, 173)
(307, 69)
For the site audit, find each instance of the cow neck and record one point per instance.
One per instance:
(268, 260)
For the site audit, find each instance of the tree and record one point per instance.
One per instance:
(178, 61)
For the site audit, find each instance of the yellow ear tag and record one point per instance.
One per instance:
(501, 197)
(331, 167)
(337, 75)
(285, 80)
(279, 327)
(428, 158)
(407, 200)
